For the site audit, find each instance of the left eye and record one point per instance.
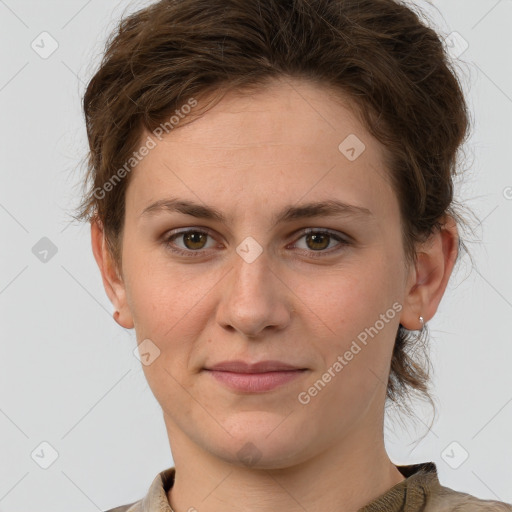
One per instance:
(319, 240)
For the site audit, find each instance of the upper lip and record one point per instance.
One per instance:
(238, 366)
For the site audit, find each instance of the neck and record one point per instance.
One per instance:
(344, 478)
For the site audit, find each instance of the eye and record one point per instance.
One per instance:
(194, 240)
(318, 240)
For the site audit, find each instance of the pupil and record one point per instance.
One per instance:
(315, 239)
(194, 238)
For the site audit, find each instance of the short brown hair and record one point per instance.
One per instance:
(378, 53)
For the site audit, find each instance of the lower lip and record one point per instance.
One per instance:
(255, 382)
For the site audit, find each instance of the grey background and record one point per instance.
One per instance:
(68, 376)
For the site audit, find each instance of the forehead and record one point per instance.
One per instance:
(287, 140)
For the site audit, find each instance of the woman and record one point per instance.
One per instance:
(271, 204)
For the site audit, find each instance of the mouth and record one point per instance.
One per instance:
(255, 382)
(254, 378)
(238, 366)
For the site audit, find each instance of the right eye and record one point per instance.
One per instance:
(193, 240)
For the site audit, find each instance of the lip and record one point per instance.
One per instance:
(238, 366)
(255, 382)
(256, 377)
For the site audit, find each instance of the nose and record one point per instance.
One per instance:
(254, 299)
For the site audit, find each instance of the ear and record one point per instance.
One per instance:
(428, 279)
(112, 281)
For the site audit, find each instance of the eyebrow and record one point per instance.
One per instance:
(325, 208)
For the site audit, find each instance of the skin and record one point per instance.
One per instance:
(249, 157)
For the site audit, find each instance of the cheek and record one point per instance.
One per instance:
(351, 299)
(355, 317)
(356, 338)
(167, 305)
(158, 294)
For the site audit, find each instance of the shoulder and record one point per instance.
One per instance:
(449, 500)
(131, 507)
(155, 498)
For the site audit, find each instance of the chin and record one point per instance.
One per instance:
(266, 448)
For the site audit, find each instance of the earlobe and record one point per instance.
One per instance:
(112, 281)
(429, 277)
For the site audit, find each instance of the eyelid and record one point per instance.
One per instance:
(338, 234)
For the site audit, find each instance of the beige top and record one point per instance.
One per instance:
(419, 492)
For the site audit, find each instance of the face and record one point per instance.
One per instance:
(255, 271)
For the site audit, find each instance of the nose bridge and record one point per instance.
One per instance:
(252, 299)
(252, 275)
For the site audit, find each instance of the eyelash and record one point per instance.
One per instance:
(199, 252)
